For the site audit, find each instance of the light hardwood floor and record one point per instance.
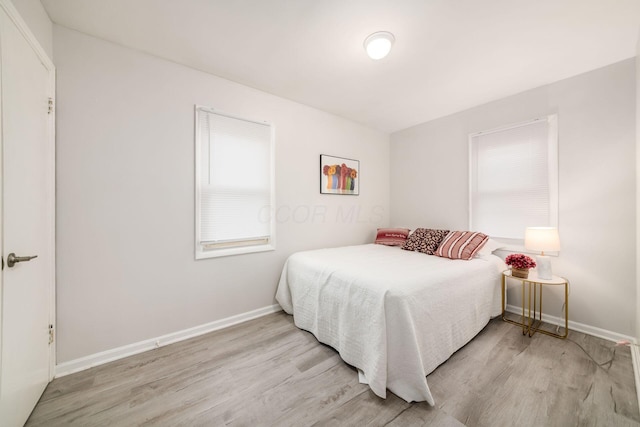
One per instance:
(268, 372)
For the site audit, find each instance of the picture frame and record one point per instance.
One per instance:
(339, 175)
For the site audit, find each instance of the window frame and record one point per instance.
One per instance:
(515, 244)
(232, 248)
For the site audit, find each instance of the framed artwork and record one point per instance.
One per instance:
(339, 175)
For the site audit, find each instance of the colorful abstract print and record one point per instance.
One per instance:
(340, 177)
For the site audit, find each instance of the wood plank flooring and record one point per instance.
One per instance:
(267, 372)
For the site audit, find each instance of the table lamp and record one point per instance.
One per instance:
(542, 239)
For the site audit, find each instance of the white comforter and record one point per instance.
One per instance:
(393, 314)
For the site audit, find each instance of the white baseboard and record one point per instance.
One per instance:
(107, 356)
(96, 359)
(579, 327)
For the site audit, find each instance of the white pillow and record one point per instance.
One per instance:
(489, 247)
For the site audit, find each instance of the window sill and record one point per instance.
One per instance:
(510, 247)
(216, 253)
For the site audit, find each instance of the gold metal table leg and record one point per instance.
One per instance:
(531, 324)
(536, 328)
(523, 324)
(524, 319)
(504, 290)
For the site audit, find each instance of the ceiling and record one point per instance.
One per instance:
(449, 55)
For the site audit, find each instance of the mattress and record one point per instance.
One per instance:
(393, 314)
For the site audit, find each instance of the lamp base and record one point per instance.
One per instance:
(544, 267)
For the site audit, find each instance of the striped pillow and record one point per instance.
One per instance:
(461, 244)
(392, 236)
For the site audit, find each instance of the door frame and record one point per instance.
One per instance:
(22, 27)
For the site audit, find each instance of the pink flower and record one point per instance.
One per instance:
(520, 261)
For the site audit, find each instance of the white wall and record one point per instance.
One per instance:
(638, 190)
(37, 19)
(125, 195)
(429, 178)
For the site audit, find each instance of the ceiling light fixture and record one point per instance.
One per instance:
(378, 45)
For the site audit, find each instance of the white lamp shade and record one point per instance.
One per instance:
(378, 45)
(542, 239)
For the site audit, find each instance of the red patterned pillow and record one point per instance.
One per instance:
(425, 240)
(461, 244)
(392, 236)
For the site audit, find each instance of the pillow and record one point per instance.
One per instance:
(392, 236)
(489, 247)
(461, 244)
(425, 240)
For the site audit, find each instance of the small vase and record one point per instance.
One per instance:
(522, 273)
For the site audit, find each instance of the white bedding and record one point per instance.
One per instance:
(393, 314)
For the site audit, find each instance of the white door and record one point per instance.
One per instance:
(27, 220)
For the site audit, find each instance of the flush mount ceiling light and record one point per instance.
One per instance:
(379, 44)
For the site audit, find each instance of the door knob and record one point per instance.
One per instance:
(12, 259)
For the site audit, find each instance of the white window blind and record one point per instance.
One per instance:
(234, 182)
(514, 178)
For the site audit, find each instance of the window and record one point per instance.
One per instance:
(234, 185)
(514, 179)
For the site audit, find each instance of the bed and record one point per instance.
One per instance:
(393, 314)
